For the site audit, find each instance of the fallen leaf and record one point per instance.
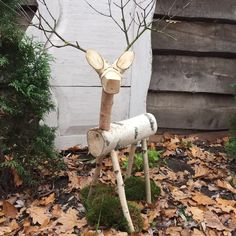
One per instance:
(169, 213)
(2, 219)
(196, 151)
(5, 230)
(213, 221)
(68, 221)
(178, 194)
(46, 200)
(224, 184)
(39, 215)
(9, 210)
(197, 232)
(202, 199)
(16, 177)
(201, 171)
(226, 205)
(57, 211)
(197, 213)
(14, 225)
(174, 231)
(73, 179)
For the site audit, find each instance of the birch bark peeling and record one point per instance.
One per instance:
(121, 134)
(105, 111)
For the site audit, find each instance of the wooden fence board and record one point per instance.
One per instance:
(196, 37)
(191, 111)
(193, 74)
(216, 9)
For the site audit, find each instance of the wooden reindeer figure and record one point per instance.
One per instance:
(109, 137)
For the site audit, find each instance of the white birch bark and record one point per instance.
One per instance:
(146, 171)
(121, 134)
(121, 189)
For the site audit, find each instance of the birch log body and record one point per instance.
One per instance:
(121, 134)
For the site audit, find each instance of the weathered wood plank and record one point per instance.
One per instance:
(216, 9)
(196, 36)
(193, 74)
(191, 111)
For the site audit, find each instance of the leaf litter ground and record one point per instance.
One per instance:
(198, 194)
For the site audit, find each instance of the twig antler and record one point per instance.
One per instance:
(139, 17)
(47, 28)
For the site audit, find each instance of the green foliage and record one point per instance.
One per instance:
(24, 101)
(104, 208)
(153, 158)
(135, 189)
(231, 145)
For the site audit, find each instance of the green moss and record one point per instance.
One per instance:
(135, 189)
(104, 209)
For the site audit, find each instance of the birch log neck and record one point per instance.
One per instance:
(105, 111)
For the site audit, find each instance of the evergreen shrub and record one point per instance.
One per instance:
(25, 145)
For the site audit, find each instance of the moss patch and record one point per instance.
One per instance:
(104, 209)
(135, 189)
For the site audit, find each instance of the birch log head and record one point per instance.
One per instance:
(110, 75)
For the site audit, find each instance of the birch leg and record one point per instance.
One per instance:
(131, 160)
(146, 171)
(96, 175)
(121, 189)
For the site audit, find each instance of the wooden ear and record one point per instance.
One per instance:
(95, 59)
(125, 60)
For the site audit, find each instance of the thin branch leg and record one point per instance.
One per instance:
(146, 171)
(131, 159)
(96, 175)
(121, 189)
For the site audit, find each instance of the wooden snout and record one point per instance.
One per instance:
(111, 81)
(121, 134)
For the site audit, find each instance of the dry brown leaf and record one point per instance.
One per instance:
(232, 222)
(146, 223)
(213, 221)
(196, 151)
(5, 230)
(78, 182)
(73, 179)
(178, 194)
(174, 231)
(201, 171)
(197, 232)
(2, 219)
(9, 210)
(57, 211)
(197, 213)
(14, 225)
(224, 184)
(168, 153)
(202, 199)
(68, 221)
(17, 179)
(169, 213)
(39, 215)
(46, 200)
(226, 205)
